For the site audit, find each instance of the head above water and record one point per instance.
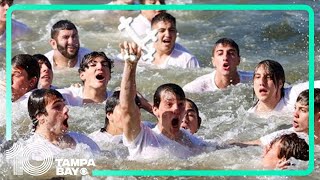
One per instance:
(283, 148)
(111, 102)
(192, 119)
(62, 25)
(163, 17)
(226, 42)
(169, 87)
(89, 58)
(38, 101)
(275, 73)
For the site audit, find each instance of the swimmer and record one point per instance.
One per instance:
(225, 58)
(281, 149)
(168, 107)
(66, 51)
(191, 120)
(49, 115)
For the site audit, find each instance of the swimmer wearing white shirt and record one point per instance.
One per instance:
(49, 115)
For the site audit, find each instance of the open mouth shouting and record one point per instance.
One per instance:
(100, 77)
(65, 125)
(175, 123)
(226, 66)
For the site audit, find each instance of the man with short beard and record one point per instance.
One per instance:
(65, 43)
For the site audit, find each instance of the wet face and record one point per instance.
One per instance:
(67, 43)
(270, 156)
(301, 118)
(190, 120)
(167, 34)
(20, 83)
(170, 114)
(115, 120)
(97, 75)
(149, 14)
(4, 6)
(56, 120)
(264, 87)
(225, 59)
(46, 76)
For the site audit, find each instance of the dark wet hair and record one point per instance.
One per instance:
(37, 102)
(111, 102)
(9, 2)
(62, 25)
(292, 146)
(42, 59)
(226, 42)
(195, 107)
(90, 56)
(29, 64)
(276, 72)
(165, 17)
(144, 1)
(170, 87)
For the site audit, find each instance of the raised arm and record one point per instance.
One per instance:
(130, 112)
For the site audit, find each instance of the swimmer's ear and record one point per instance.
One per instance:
(33, 82)
(155, 111)
(82, 76)
(40, 118)
(108, 116)
(53, 44)
(213, 62)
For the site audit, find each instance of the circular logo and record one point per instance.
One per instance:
(83, 171)
(39, 153)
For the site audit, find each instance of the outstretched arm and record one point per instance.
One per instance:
(130, 112)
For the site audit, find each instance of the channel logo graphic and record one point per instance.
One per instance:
(22, 156)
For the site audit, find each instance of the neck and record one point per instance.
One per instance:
(91, 95)
(160, 57)
(269, 105)
(113, 130)
(59, 61)
(223, 81)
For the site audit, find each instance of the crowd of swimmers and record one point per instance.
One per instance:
(178, 118)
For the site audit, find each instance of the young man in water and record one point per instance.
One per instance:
(225, 59)
(65, 43)
(277, 154)
(49, 115)
(95, 74)
(300, 123)
(191, 120)
(25, 76)
(167, 55)
(46, 73)
(168, 107)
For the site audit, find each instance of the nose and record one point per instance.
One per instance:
(6, 6)
(296, 113)
(65, 110)
(158, 2)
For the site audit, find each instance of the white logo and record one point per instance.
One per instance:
(21, 157)
(73, 166)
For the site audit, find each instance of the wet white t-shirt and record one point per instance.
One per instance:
(206, 82)
(151, 144)
(101, 138)
(37, 139)
(74, 95)
(81, 53)
(287, 103)
(177, 58)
